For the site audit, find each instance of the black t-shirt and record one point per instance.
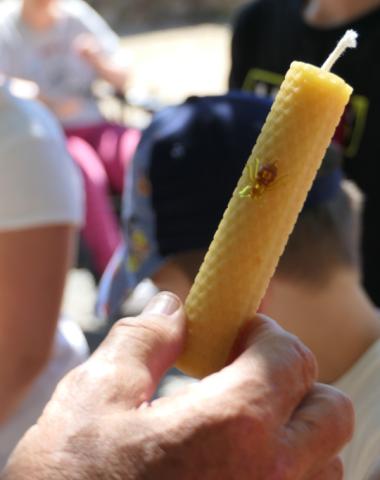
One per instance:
(270, 34)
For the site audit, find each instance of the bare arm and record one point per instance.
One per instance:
(33, 267)
(106, 68)
(111, 73)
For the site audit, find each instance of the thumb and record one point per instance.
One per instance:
(140, 349)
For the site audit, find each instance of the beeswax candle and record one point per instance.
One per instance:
(262, 211)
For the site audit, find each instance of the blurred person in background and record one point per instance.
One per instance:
(269, 34)
(40, 215)
(64, 46)
(191, 157)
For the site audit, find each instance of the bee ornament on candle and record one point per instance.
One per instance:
(261, 177)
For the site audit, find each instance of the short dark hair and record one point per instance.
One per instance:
(189, 262)
(325, 238)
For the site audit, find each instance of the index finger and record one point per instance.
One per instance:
(275, 369)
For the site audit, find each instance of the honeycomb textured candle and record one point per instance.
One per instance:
(261, 214)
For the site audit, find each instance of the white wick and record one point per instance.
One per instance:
(349, 40)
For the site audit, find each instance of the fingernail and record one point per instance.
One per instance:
(164, 303)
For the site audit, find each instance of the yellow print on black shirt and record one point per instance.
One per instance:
(266, 84)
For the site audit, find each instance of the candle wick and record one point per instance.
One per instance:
(349, 40)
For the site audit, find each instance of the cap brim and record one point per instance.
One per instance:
(119, 280)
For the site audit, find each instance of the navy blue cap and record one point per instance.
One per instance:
(184, 172)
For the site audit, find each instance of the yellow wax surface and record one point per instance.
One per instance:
(261, 214)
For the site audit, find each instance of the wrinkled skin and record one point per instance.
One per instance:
(262, 417)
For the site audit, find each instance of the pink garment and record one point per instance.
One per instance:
(103, 153)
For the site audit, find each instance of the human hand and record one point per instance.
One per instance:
(260, 418)
(108, 67)
(88, 48)
(66, 108)
(61, 108)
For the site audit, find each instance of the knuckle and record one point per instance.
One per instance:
(238, 418)
(88, 376)
(301, 354)
(288, 346)
(76, 377)
(72, 384)
(341, 412)
(304, 359)
(144, 333)
(295, 357)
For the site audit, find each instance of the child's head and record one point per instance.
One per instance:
(184, 172)
(324, 242)
(325, 239)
